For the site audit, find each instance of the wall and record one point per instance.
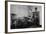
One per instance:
(19, 10)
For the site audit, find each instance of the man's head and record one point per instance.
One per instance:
(13, 14)
(35, 8)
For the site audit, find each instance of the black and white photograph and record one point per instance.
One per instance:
(25, 16)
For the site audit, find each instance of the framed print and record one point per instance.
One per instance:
(22, 16)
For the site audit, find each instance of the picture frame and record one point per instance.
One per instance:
(7, 18)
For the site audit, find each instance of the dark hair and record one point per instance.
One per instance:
(13, 14)
(36, 8)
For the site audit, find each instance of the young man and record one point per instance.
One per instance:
(36, 17)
